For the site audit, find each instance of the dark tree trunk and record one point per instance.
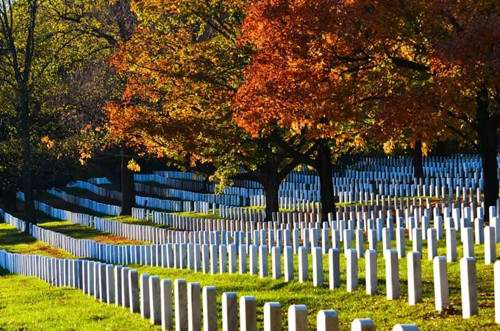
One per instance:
(487, 143)
(27, 164)
(418, 160)
(127, 185)
(324, 169)
(271, 182)
(10, 201)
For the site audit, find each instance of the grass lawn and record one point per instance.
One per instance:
(195, 214)
(14, 241)
(132, 220)
(385, 313)
(78, 231)
(28, 303)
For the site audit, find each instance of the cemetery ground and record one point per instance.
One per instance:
(28, 303)
(63, 308)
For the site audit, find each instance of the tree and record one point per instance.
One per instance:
(37, 54)
(440, 62)
(183, 66)
(412, 71)
(299, 79)
(20, 62)
(109, 23)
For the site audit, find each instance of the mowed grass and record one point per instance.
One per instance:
(15, 241)
(28, 303)
(353, 305)
(211, 214)
(132, 220)
(78, 231)
(385, 313)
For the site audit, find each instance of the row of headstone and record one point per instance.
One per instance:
(171, 193)
(310, 238)
(341, 231)
(179, 304)
(139, 232)
(189, 185)
(99, 207)
(354, 187)
(96, 189)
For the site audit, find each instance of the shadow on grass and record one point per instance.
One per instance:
(70, 229)
(11, 237)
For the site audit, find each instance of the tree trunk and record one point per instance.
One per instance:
(127, 185)
(324, 169)
(10, 201)
(486, 130)
(27, 164)
(418, 160)
(270, 181)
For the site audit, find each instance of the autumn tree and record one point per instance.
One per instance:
(439, 60)
(107, 23)
(183, 66)
(300, 79)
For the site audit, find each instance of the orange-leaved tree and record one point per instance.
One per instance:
(439, 63)
(302, 77)
(183, 65)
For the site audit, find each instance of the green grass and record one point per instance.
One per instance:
(15, 241)
(78, 231)
(193, 214)
(132, 220)
(385, 313)
(28, 303)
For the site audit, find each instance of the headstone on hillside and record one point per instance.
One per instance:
(489, 245)
(155, 300)
(317, 261)
(229, 311)
(209, 308)
(297, 317)
(351, 270)
(392, 274)
(441, 294)
(468, 286)
(194, 309)
(276, 262)
(166, 304)
(145, 295)
(431, 244)
(248, 313)
(288, 263)
(303, 264)
(362, 324)
(272, 316)
(451, 245)
(414, 266)
(133, 285)
(327, 320)
(371, 271)
(181, 313)
(334, 268)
